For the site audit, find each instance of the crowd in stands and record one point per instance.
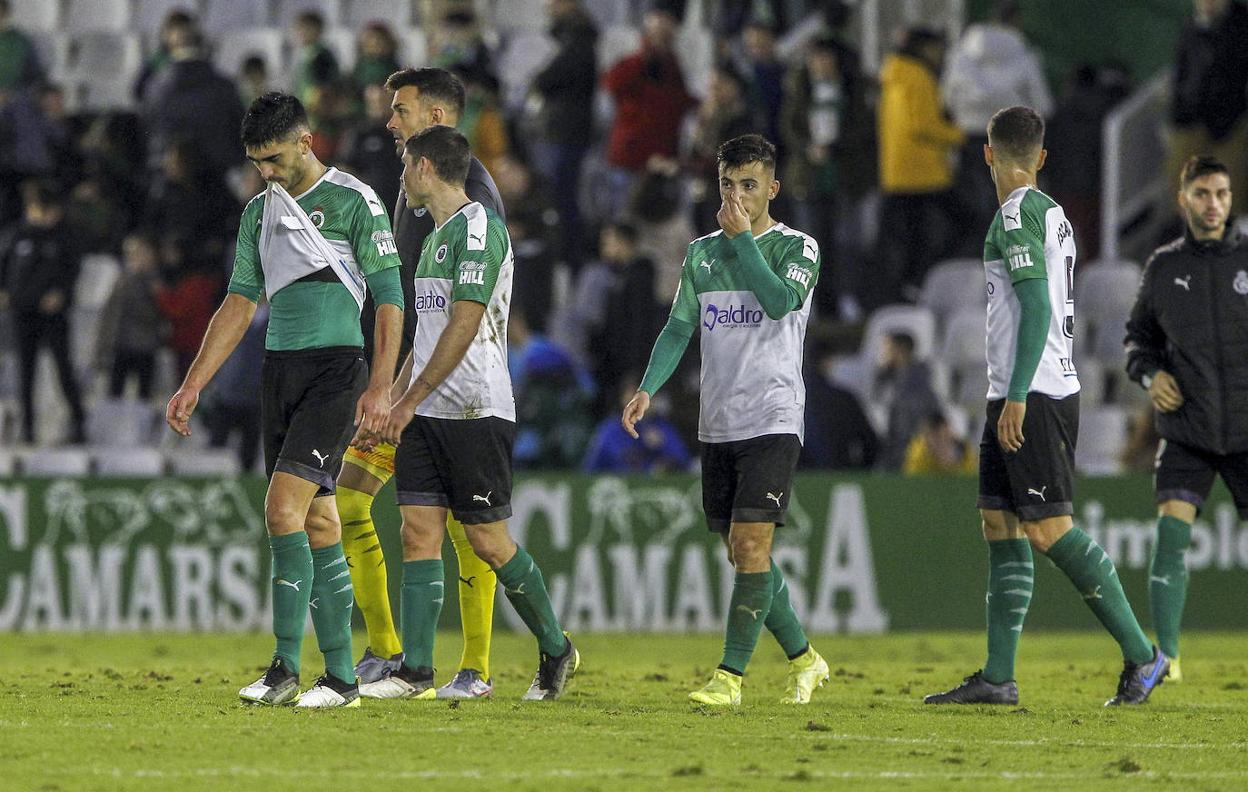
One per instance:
(605, 157)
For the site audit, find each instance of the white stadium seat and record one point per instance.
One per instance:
(1102, 436)
(951, 285)
(524, 54)
(204, 462)
(121, 423)
(616, 43)
(235, 48)
(128, 461)
(103, 68)
(83, 16)
(53, 48)
(285, 11)
(342, 42)
(413, 47)
(963, 354)
(56, 462)
(35, 16)
(222, 17)
(395, 13)
(149, 15)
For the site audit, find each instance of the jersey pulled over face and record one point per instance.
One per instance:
(751, 365)
(467, 258)
(318, 312)
(1030, 237)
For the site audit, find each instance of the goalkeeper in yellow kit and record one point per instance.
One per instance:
(421, 98)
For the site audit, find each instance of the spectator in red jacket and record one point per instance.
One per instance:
(650, 103)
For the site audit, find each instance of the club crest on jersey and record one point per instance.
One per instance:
(420, 211)
(440, 255)
(1241, 282)
(1019, 257)
(317, 217)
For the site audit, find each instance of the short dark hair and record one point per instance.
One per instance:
(432, 82)
(272, 117)
(743, 150)
(446, 148)
(902, 340)
(625, 229)
(310, 17)
(1016, 132)
(1199, 166)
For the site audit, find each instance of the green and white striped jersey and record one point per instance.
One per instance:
(1030, 237)
(751, 365)
(309, 314)
(467, 258)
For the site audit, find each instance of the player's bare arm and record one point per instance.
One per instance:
(634, 411)
(452, 345)
(225, 330)
(373, 408)
(1010, 425)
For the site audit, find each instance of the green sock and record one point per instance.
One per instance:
(781, 620)
(747, 611)
(332, 601)
(424, 587)
(1011, 574)
(1089, 568)
(292, 588)
(525, 589)
(1167, 581)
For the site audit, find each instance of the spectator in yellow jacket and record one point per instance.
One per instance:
(920, 216)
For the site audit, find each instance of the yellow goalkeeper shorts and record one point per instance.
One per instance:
(379, 462)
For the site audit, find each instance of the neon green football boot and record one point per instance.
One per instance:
(1175, 674)
(724, 690)
(807, 671)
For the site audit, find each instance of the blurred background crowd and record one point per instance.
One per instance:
(122, 181)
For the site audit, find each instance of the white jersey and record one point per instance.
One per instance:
(1030, 237)
(751, 364)
(467, 258)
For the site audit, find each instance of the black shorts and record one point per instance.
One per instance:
(307, 408)
(463, 465)
(748, 481)
(1038, 481)
(1185, 473)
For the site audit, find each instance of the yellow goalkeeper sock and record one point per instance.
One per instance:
(476, 601)
(368, 570)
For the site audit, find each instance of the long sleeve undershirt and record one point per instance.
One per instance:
(1035, 313)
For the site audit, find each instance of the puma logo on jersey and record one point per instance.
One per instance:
(1012, 218)
(754, 612)
(1038, 493)
(477, 239)
(1186, 283)
(483, 498)
(284, 582)
(707, 264)
(320, 457)
(776, 498)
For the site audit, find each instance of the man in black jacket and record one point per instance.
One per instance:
(39, 265)
(1187, 343)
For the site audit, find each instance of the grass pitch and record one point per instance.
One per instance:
(159, 712)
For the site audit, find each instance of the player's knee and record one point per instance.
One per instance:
(749, 553)
(420, 541)
(281, 518)
(1043, 534)
(323, 528)
(491, 543)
